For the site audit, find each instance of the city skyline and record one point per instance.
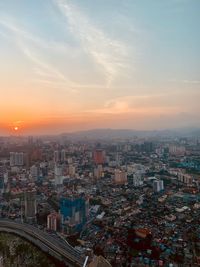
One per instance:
(77, 65)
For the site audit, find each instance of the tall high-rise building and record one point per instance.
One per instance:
(58, 173)
(99, 156)
(3, 177)
(74, 211)
(137, 179)
(56, 156)
(53, 221)
(30, 140)
(34, 172)
(2, 171)
(98, 172)
(30, 205)
(16, 158)
(158, 185)
(72, 170)
(12, 158)
(20, 159)
(60, 156)
(177, 150)
(120, 177)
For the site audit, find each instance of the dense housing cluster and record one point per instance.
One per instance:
(134, 201)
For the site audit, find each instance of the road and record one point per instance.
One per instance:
(58, 249)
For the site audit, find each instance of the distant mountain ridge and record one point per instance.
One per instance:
(128, 133)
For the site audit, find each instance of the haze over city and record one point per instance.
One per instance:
(76, 65)
(99, 133)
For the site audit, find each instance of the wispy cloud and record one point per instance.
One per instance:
(28, 36)
(107, 53)
(185, 81)
(32, 47)
(191, 81)
(137, 104)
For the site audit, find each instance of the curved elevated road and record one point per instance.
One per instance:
(56, 248)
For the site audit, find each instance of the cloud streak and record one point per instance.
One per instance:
(32, 46)
(137, 104)
(107, 53)
(191, 81)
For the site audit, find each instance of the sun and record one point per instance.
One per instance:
(16, 128)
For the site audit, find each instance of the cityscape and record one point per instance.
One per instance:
(99, 133)
(132, 201)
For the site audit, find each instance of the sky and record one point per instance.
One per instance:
(68, 65)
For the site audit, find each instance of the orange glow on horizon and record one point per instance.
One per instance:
(29, 122)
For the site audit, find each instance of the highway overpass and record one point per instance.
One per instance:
(50, 245)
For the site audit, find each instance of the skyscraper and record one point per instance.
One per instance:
(74, 211)
(59, 156)
(158, 185)
(53, 221)
(16, 158)
(34, 172)
(120, 177)
(58, 173)
(99, 156)
(56, 156)
(30, 205)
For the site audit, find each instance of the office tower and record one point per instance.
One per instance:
(74, 212)
(185, 178)
(30, 140)
(3, 171)
(120, 177)
(56, 156)
(12, 158)
(34, 172)
(158, 185)
(118, 158)
(53, 221)
(3, 177)
(177, 150)
(72, 170)
(1, 185)
(69, 160)
(58, 174)
(30, 205)
(98, 172)
(36, 154)
(99, 156)
(148, 147)
(16, 159)
(137, 179)
(60, 156)
(20, 159)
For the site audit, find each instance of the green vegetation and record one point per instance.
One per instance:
(17, 253)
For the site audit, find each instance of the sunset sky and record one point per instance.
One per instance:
(83, 64)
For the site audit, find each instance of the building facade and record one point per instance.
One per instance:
(74, 212)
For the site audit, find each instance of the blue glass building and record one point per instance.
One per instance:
(74, 211)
